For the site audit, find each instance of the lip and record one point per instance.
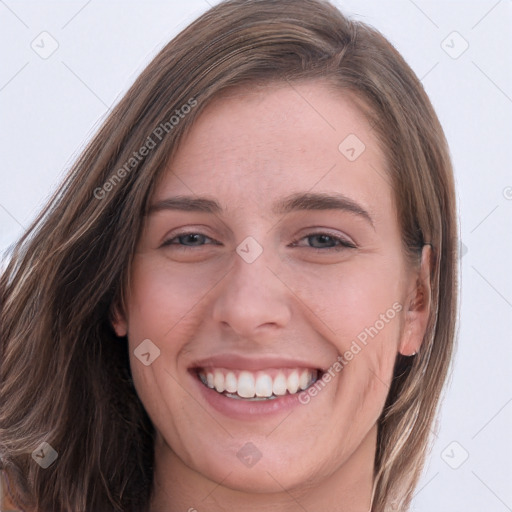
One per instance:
(237, 362)
(246, 409)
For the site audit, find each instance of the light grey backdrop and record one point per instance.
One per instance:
(64, 63)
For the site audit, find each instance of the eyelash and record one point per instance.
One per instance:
(342, 243)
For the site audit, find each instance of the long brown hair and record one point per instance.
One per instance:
(65, 377)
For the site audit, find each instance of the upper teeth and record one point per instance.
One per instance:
(264, 383)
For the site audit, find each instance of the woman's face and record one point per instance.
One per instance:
(271, 257)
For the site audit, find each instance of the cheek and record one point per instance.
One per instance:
(166, 301)
(166, 306)
(355, 300)
(360, 303)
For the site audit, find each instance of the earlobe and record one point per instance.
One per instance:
(118, 321)
(418, 308)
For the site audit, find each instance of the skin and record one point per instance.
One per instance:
(300, 298)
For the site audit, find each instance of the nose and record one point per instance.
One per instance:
(252, 298)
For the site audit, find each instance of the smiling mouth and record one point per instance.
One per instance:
(257, 385)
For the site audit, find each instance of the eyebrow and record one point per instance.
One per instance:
(294, 202)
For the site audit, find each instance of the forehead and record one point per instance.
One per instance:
(251, 145)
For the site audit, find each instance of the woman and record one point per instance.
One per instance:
(244, 294)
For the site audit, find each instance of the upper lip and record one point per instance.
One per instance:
(238, 362)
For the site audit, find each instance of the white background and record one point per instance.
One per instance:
(51, 107)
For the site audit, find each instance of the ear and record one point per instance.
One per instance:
(418, 307)
(118, 321)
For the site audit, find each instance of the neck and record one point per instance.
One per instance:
(178, 488)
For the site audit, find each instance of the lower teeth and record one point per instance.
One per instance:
(254, 399)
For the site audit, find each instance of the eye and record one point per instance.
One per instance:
(189, 240)
(322, 241)
(318, 241)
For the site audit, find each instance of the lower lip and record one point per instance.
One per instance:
(246, 409)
